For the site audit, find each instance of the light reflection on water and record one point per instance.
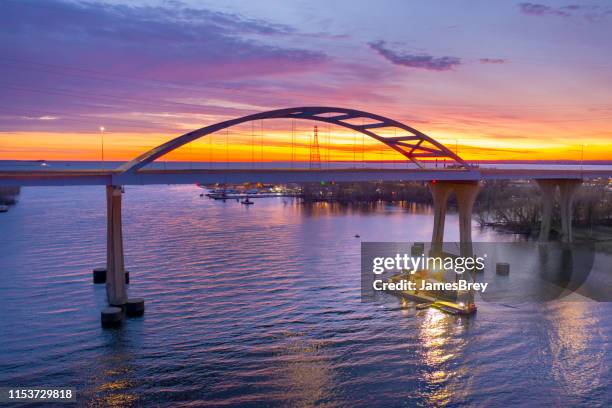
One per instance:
(261, 306)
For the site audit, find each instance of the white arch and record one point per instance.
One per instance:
(409, 145)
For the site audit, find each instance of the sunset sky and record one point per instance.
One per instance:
(493, 79)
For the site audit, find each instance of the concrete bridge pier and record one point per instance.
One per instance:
(440, 193)
(116, 291)
(548, 188)
(466, 193)
(567, 190)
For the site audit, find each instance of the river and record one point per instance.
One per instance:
(260, 306)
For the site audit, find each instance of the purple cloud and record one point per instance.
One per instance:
(590, 12)
(86, 63)
(535, 9)
(422, 61)
(156, 42)
(493, 60)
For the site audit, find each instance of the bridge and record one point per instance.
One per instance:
(418, 150)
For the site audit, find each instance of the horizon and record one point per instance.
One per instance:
(147, 72)
(560, 161)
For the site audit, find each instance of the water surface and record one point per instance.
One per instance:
(261, 305)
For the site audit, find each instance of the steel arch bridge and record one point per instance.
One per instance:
(414, 145)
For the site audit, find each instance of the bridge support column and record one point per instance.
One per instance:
(466, 193)
(548, 188)
(440, 193)
(466, 196)
(567, 189)
(116, 291)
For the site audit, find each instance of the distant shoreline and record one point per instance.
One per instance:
(118, 162)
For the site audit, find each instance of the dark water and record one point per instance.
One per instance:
(260, 306)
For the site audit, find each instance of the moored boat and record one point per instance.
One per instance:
(425, 299)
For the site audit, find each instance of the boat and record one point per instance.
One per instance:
(455, 308)
(425, 299)
(247, 202)
(3, 208)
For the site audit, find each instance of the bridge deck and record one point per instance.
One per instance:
(106, 177)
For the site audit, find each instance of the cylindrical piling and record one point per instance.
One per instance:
(502, 268)
(111, 316)
(417, 249)
(99, 275)
(135, 307)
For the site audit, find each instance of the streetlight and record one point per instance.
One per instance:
(582, 156)
(102, 137)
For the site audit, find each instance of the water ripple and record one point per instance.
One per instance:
(261, 306)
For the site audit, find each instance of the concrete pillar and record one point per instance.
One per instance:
(568, 189)
(548, 188)
(440, 193)
(115, 276)
(466, 195)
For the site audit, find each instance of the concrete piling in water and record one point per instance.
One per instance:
(116, 291)
(417, 249)
(502, 268)
(115, 275)
(135, 307)
(99, 275)
(111, 316)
